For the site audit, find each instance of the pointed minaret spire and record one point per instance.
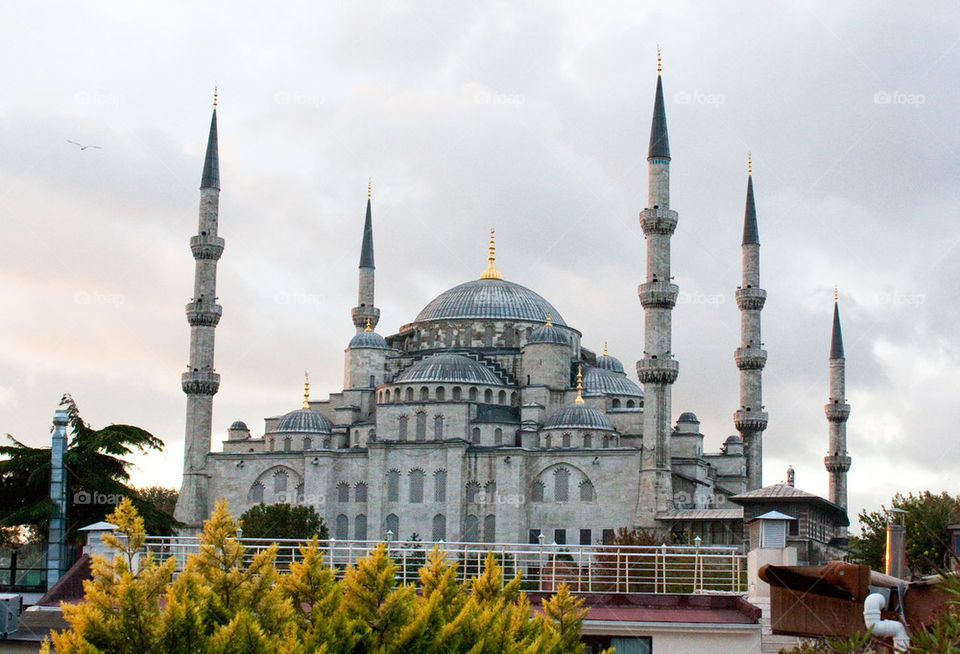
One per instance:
(750, 419)
(837, 461)
(211, 163)
(659, 143)
(365, 313)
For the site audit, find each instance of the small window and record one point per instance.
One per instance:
(439, 527)
(475, 436)
(360, 493)
(473, 394)
(393, 486)
(560, 536)
(585, 537)
(256, 493)
(471, 529)
(360, 527)
(307, 443)
(490, 529)
(402, 428)
(498, 436)
(457, 392)
(343, 492)
(287, 444)
(440, 393)
(392, 524)
(608, 536)
(343, 524)
(615, 404)
(421, 426)
(424, 394)
(280, 482)
(534, 536)
(502, 397)
(440, 486)
(409, 395)
(588, 440)
(416, 486)
(438, 427)
(473, 489)
(561, 485)
(488, 396)
(587, 492)
(536, 492)
(567, 440)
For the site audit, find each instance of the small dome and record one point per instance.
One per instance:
(734, 439)
(599, 381)
(607, 362)
(449, 368)
(304, 421)
(578, 416)
(548, 334)
(688, 416)
(239, 425)
(368, 339)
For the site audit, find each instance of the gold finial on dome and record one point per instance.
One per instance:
(659, 61)
(749, 163)
(491, 272)
(215, 89)
(369, 188)
(579, 399)
(605, 349)
(306, 390)
(549, 321)
(367, 328)
(836, 295)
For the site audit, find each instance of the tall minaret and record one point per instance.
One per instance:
(365, 313)
(658, 295)
(837, 460)
(750, 419)
(200, 382)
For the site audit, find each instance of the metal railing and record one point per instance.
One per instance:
(584, 568)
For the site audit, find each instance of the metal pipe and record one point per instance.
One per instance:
(895, 556)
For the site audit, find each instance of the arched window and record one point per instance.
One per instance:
(360, 492)
(273, 443)
(441, 393)
(457, 392)
(424, 394)
(326, 443)
(473, 489)
(561, 485)
(588, 440)
(416, 486)
(471, 529)
(490, 492)
(299, 490)
(287, 444)
(547, 441)
(473, 394)
(280, 482)
(409, 395)
(490, 529)
(536, 492)
(402, 428)
(440, 486)
(421, 426)
(307, 443)
(438, 427)
(371, 435)
(475, 436)
(587, 493)
(360, 527)
(508, 336)
(498, 436)
(392, 524)
(393, 486)
(630, 404)
(396, 395)
(343, 492)
(488, 396)
(488, 336)
(615, 404)
(256, 493)
(448, 336)
(502, 397)
(514, 398)
(566, 440)
(373, 381)
(606, 440)
(343, 525)
(439, 531)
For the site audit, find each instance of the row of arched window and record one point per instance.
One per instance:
(561, 488)
(411, 394)
(566, 440)
(415, 486)
(469, 336)
(391, 524)
(359, 492)
(420, 427)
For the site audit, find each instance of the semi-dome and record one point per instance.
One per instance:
(449, 368)
(489, 299)
(548, 333)
(600, 381)
(369, 339)
(303, 421)
(578, 416)
(688, 416)
(607, 362)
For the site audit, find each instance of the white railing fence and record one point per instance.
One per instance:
(584, 568)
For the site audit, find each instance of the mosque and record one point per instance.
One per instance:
(485, 419)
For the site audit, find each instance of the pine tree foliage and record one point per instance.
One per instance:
(228, 600)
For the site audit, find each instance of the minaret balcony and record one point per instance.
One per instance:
(750, 298)
(658, 221)
(746, 420)
(657, 371)
(361, 314)
(658, 295)
(200, 382)
(205, 314)
(837, 463)
(750, 358)
(838, 412)
(205, 246)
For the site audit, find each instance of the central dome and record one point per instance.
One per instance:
(490, 299)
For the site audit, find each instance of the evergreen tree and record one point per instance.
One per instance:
(283, 521)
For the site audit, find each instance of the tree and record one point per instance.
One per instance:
(97, 478)
(927, 538)
(282, 521)
(161, 498)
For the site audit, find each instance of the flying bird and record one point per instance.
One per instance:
(84, 147)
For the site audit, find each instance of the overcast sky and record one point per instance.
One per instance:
(532, 119)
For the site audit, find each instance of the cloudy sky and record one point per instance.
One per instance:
(530, 118)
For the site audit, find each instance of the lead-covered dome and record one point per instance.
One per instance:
(303, 421)
(578, 416)
(369, 339)
(607, 362)
(599, 381)
(489, 299)
(548, 334)
(449, 368)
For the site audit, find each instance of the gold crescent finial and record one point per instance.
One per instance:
(491, 272)
(369, 188)
(549, 321)
(749, 163)
(306, 390)
(367, 328)
(836, 296)
(605, 348)
(579, 399)
(215, 91)
(659, 61)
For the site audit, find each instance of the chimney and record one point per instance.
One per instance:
(896, 554)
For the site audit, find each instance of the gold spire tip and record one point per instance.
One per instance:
(836, 295)
(367, 328)
(579, 399)
(549, 321)
(749, 163)
(605, 349)
(659, 61)
(215, 92)
(491, 272)
(306, 390)
(369, 188)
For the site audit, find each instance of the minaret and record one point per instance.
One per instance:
(365, 312)
(200, 382)
(837, 460)
(750, 419)
(658, 295)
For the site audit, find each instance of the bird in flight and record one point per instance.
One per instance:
(84, 147)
